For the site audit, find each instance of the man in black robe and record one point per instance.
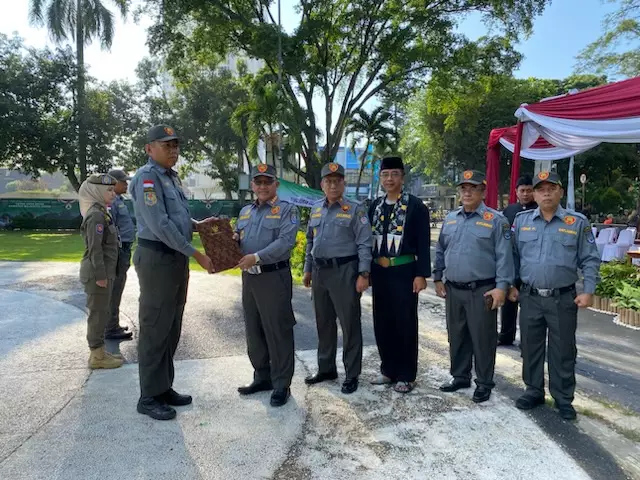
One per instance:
(401, 265)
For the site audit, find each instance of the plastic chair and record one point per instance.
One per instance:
(605, 237)
(617, 250)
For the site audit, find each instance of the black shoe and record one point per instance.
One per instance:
(118, 335)
(171, 397)
(455, 385)
(528, 401)
(320, 377)
(280, 396)
(155, 408)
(481, 394)
(350, 385)
(255, 387)
(567, 412)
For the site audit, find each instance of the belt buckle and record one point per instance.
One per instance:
(545, 292)
(384, 262)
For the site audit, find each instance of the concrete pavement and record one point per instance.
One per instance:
(58, 420)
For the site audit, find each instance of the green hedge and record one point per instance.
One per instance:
(620, 281)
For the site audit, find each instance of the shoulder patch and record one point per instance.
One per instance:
(506, 231)
(99, 228)
(488, 216)
(294, 218)
(569, 220)
(588, 233)
(150, 198)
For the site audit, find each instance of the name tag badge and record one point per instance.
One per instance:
(272, 216)
(343, 215)
(527, 229)
(245, 217)
(452, 222)
(316, 215)
(484, 224)
(566, 230)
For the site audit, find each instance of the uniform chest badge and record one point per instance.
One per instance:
(275, 210)
(487, 216)
(569, 220)
(345, 208)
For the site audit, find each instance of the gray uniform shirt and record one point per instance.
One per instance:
(548, 254)
(473, 248)
(122, 218)
(268, 230)
(162, 210)
(339, 230)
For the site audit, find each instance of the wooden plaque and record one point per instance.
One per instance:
(216, 236)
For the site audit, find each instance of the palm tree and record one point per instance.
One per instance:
(82, 20)
(370, 127)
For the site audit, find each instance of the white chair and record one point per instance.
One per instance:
(605, 237)
(617, 250)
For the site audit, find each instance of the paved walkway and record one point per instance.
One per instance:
(59, 420)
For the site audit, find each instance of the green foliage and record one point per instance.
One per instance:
(343, 51)
(298, 254)
(617, 51)
(609, 201)
(613, 274)
(627, 296)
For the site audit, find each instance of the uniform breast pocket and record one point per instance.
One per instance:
(565, 249)
(315, 222)
(528, 244)
(112, 236)
(172, 201)
(272, 226)
(482, 234)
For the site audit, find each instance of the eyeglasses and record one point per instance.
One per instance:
(393, 175)
(333, 181)
(264, 183)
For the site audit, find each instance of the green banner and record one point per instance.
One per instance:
(54, 214)
(298, 195)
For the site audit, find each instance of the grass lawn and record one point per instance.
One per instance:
(64, 246)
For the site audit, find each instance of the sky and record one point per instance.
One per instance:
(564, 29)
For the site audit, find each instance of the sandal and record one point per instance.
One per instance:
(381, 380)
(404, 387)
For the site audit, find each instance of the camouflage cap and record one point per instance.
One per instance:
(119, 175)
(472, 177)
(546, 176)
(101, 179)
(161, 133)
(263, 170)
(331, 168)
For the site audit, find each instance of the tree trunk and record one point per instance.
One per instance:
(82, 100)
(73, 180)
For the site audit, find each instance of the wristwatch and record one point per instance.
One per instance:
(364, 275)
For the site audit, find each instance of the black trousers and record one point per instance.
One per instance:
(163, 278)
(395, 321)
(508, 320)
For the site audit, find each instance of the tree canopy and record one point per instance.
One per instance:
(345, 51)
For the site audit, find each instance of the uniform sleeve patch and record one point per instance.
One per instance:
(506, 231)
(148, 184)
(99, 229)
(364, 220)
(294, 219)
(150, 198)
(589, 234)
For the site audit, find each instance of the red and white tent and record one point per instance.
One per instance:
(565, 126)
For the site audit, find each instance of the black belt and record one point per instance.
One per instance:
(547, 292)
(472, 285)
(333, 262)
(155, 245)
(273, 266)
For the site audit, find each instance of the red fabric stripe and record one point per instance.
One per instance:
(608, 102)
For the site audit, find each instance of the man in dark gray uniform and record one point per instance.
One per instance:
(474, 252)
(337, 265)
(122, 218)
(550, 245)
(162, 264)
(266, 230)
